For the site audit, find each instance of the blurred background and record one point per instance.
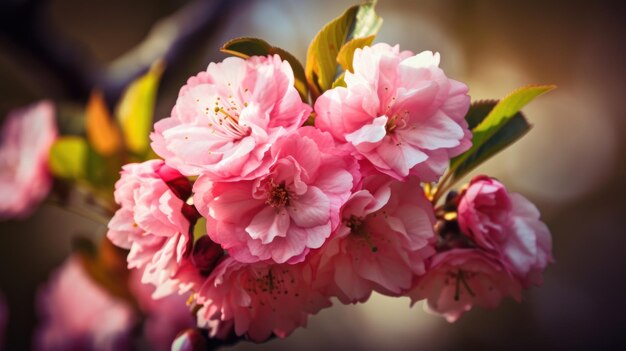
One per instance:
(571, 164)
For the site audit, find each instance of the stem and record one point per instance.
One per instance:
(80, 211)
(442, 187)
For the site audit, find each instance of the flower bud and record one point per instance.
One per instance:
(206, 254)
(189, 340)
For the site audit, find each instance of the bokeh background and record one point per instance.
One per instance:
(571, 164)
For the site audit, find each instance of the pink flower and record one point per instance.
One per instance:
(382, 241)
(164, 318)
(26, 137)
(152, 224)
(78, 315)
(507, 224)
(458, 279)
(285, 213)
(399, 111)
(260, 299)
(227, 118)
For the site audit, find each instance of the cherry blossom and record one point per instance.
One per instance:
(399, 111)
(285, 213)
(25, 141)
(227, 118)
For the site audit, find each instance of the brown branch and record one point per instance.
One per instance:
(25, 26)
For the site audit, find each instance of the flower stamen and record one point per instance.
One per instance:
(277, 195)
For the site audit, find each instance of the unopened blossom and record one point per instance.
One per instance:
(399, 112)
(153, 222)
(458, 279)
(77, 314)
(286, 212)
(382, 241)
(25, 140)
(226, 118)
(508, 225)
(190, 339)
(260, 299)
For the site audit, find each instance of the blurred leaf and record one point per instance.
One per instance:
(72, 158)
(136, 108)
(102, 131)
(102, 172)
(68, 157)
(105, 264)
(321, 66)
(367, 21)
(346, 53)
(340, 82)
(245, 47)
(499, 116)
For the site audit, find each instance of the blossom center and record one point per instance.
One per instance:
(224, 120)
(277, 195)
(357, 227)
(460, 278)
(397, 120)
(271, 288)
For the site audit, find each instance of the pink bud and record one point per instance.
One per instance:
(206, 254)
(189, 340)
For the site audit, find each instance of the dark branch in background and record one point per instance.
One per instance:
(171, 39)
(25, 26)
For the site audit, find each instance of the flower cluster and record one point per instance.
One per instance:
(491, 245)
(265, 217)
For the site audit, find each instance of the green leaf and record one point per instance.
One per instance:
(72, 158)
(101, 173)
(340, 82)
(346, 53)
(478, 111)
(136, 109)
(68, 157)
(321, 67)
(199, 229)
(499, 116)
(367, 21)
(513, 130)
(245, 47)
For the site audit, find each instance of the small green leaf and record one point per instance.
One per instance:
(346, 53)
(513, 130)
(68, 157)
(367, 21)
(136, 109)
(496, 119)
(199, 229)
(340, 82)
(321, 67)
(72, 158)
(101, 173)
(245, 47)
